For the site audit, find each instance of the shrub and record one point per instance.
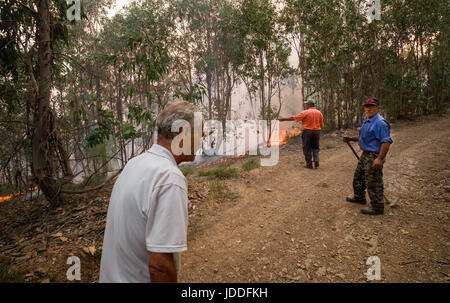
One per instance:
(220, 191)
(223, 171)
(93, 181)
(328, 145)
(187, 170)
(8, 273)
(250, 164)
(8, 189)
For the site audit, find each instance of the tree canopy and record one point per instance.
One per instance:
(78, 98)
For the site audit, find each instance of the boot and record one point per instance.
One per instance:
(372, 211)
(316, 164)
(309, 166)
(356, 200)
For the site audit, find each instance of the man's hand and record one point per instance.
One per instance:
(377, 163)
(162, 268)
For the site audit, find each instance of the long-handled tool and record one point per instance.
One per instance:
(357, 157)
(353, 150)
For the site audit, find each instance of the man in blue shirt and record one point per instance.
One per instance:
(374, 140)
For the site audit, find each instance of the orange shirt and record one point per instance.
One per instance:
(311, 119)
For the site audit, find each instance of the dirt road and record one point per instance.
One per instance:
(291, 224)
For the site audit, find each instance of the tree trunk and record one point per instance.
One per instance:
(208, 75)
(119, 111)
(44, 127)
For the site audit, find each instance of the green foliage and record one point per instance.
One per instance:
(220, 191)
(8, 189)
(105, 129)
(194, 96)
(109, 73)
(140, 115)
(222, 171)
(344, 58)
(93, 181)
(327, 128)
(129, 131)
(268, 113)
(250, 164)
(328, 145)
(150, 55)
(187, 170)
(265, 51)
(9, 274)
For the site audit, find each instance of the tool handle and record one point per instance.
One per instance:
(353, 150)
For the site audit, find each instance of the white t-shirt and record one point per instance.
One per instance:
(147, 213)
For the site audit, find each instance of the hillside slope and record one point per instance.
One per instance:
(286, 224)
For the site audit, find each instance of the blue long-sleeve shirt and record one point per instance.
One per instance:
(373, 133)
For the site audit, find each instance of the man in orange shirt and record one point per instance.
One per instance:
(312, 121)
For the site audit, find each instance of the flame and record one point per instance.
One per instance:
(6, 198)
(283, 135)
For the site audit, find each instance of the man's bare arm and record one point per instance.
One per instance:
(281, 119)
(384, 149)
(162, 268)
(378, 163)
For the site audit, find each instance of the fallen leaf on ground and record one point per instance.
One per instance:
(92, 250)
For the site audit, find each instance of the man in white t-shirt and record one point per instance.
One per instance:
(146, 227)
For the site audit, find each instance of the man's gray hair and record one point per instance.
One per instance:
(172, 113)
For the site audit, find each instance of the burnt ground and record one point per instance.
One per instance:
(282, 224)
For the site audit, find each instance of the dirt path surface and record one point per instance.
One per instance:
(287, 224)
(291, 224)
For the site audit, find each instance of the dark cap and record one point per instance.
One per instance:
(371, 101)
(311, 102)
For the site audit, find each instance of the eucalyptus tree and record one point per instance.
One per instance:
(345, 57)
(83, 89)
(120, 78)
(206, 55)
(81, 82)
(264, 61)
(415, 42)
(17, 61)
(32, 30)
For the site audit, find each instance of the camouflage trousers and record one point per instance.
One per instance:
(372, 179)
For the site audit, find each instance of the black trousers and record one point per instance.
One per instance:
(310, 140)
